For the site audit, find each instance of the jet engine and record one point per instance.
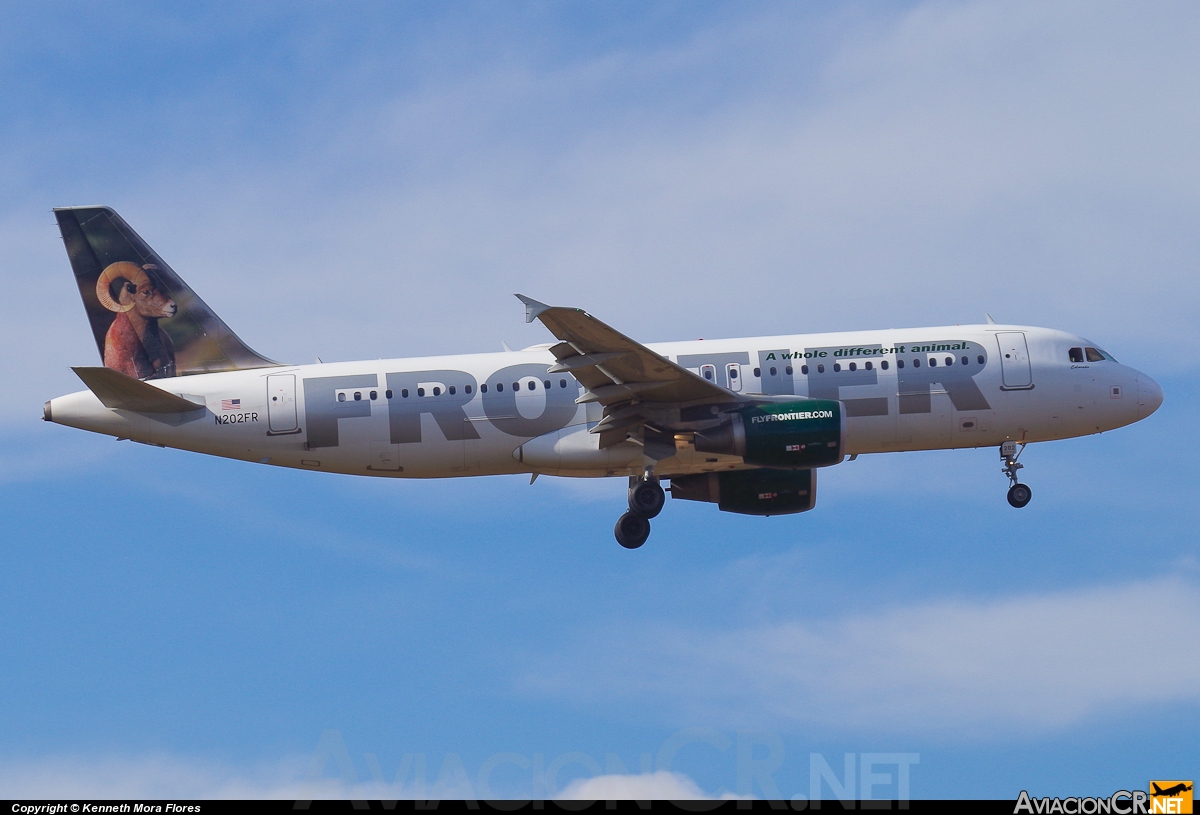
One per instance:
(799, 434)
(751, 492)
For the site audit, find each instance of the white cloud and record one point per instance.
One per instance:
(656, 786)
(962, 668)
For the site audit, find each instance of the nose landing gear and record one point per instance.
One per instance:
(646, 498)
(1018, 494)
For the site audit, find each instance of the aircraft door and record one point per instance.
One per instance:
(733, 375)
(281, 405)
(1014, 360)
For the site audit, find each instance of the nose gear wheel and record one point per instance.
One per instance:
(1019, 495)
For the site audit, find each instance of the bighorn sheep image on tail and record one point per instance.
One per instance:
(134, 344)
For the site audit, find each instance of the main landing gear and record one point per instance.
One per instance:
(646, 498)
(1018, 494)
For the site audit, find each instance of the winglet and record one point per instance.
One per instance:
(532, 307)
(991, 320)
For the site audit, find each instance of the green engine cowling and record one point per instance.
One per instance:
(799, 434)
(751, 492)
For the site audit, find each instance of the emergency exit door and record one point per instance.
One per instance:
(1014, 360)
(281, 404)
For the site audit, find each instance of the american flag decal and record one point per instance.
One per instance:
(231, 404)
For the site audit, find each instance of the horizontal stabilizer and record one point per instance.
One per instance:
(122, 392)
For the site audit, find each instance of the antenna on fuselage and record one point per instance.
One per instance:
(990, 319)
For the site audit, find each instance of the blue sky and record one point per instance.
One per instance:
(366, 180)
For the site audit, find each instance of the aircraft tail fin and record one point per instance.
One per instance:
(147, 322)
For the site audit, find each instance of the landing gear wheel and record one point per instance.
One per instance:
(632, 530)
(646, 498)
(1019, 495)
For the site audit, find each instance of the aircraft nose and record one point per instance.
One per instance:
(1150, 395)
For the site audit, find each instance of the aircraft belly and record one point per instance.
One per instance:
(924, 426)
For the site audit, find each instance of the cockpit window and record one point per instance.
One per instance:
(1076, 354)
(1094, 355)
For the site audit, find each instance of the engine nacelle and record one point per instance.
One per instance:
(786, 435)
(751, 492)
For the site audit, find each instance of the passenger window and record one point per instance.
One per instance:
(854, 366)
(562, 383)
(804, 370)
(1093, 355)
(499, 386)
(547, 384)
(884, 365)
(374, 395)
(388, 393)
(341, 397)
(868, 366)
(482, 388)
(758, 372)
(949, 361)
(437, 391)
(452, 390)
(467, 389)
(837, 367)
(916, 363)
(404, 393)
(516, 386)
(420, 391)
(1076, 354)
(899, 363)
(980, 358)
(788, 370)
(933, 362)
(733, 373)
(774, 370)
(820, 369)
(966, 360)
(358, 396)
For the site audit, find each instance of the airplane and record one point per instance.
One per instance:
(741, 423)
(1170, 792)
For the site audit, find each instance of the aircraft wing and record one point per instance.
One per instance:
(617, 370)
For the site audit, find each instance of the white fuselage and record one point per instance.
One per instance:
(430, 417)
